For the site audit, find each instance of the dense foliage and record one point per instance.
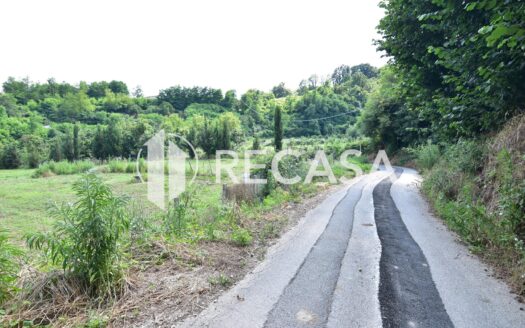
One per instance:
(459, 65)
(54, 121)
(456, 77)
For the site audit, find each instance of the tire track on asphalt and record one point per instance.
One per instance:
(407, 294)
(307, 299)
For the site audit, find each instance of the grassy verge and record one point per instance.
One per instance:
(478, 188)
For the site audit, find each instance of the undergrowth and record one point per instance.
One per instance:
(479, 191)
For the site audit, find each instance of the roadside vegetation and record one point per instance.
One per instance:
(451, 103)
(478, 188)
(90, 256)
(64, 147)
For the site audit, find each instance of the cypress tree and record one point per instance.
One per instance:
(76, 143)
(256, 144)
(278, 129)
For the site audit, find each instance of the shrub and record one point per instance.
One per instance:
(8, 267)
(176, 221)
(465, 156)
(241, 237)
(511, 204)
(220, 280)
(86, 240)
(427, 156)
(63, 168)
(10, 157)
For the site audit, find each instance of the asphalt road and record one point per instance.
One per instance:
(371, 255)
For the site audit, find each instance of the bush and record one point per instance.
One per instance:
(427, 156)
(10, 157)
(117, 166)
(241, 237)
(8, 267)
(465, 156)
(63, 168)
(176, 221)
(481, 196)
(87, 238)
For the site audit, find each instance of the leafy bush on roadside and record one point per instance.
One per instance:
(9, 267)
(427, 156)
(87, 238)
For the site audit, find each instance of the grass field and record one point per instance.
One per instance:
(25, 200)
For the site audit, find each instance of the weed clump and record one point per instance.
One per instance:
(87, 239)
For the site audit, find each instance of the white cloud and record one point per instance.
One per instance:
(228, 44)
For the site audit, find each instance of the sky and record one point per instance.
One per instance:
(155, 44)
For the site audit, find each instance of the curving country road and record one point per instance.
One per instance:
(371, 255)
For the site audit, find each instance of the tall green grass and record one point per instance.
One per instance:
(63, 168)
(124, 166)
(427, 156)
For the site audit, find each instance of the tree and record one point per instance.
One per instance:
(459, 60)
(118, 87)
(181, 97)
(341, 74)
(10, 158)
(97, 89)
(21, 90)
(280, 91)
(74, 107)
(278, 129)
(386, 120)
(68, 145)
(35, 150)
(230, 100)
(256, 143)
(55, 150)
(225, 137)
(207, 139)
(113, 138)
(98, 144)
(137, 92)
(76, 142)
(368, 70)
